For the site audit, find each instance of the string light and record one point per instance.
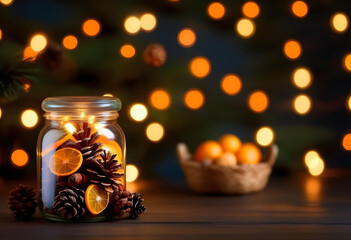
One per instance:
(138, 112)
(127, 51)
(339, 22)
(231, 84)
(132, 25)
(346, 142)
(310, 156)
(186, 37)
(70, 42)
(302, 104)
(250, 9)
(38, 42)
(299, 9)
(107, 95)
(245, 27)
(154, 132)
(302, 77)
(29, 54)
(148, 22)
(70, 128)
(292, 49)
(194, 99)
(91, 27)
(264, 136)
(318, 168)
(346, 63)
(132, 173)
(0, 33)
(314, 163)
(6, 2)
(200, 67)
(19, 158)
(29, 118)
(258, 101)
(160, 99)
(216, 10)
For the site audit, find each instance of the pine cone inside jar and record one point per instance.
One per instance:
(122, 203)
(22, 202)
(70, 203)
(138, 206)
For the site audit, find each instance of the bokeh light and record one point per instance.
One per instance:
(29, 118)
(346, 63)
(186, 37)
(200, 67)
(310, 156)
(194, 99)
(292, 49)
(127, 51)
(132, 25)
(245, 27)
(0, 33)
(6, 2)
(155, 132)
(160, 99)
(19, 158)
(302, 104)
(216, 10)
(348, 103)
(302, 77)
(132, 173)
(313, 188)
(107, 95)
(250, 9)
(70, 42)
(0, 112)
(258, 101)
(264, 136)
(29, 54)
(299, 9)
(339, 22)
(148, 22)
(38, 42)
(231, 84)
(91, 27)
(346, 142)
(317, 168)
(138, 112)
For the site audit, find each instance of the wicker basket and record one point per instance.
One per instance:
(217, 179)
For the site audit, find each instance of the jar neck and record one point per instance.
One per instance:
(81, 116)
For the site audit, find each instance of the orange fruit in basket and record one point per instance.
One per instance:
(112, 146)
(249, 153)
(230, 143)
(227, 159)
(208, 150)
(96, 198)
(65, 161)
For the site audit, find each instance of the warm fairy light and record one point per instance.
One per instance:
(302, 77)
(348, 103)
(346, 142)
(148, 22)
(231, 84)
(70, 42)
(339, 22)
(127, 51)
(132, 173)
(258, 101)
(0, 33)
(132, 25)
(194, 99)
(29, 54)
(70, 128)
(160, 99)
(310, 157)
(6, 2)
(346, 63)
(250, 9)
(155, 132)
(186, 37)
(107, 95)
(82, 115)
(0, 112)
(29, 118)
(245, 27)
(302, 104)
(216, 10)
(38, 42)
(299, 9)
(292, 49)
(91, 27)
(19, 158)
(200, 67)
(317, 168)
(138, 112)
(264, 136)
(91, 119)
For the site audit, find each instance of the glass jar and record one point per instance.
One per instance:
(81, 158)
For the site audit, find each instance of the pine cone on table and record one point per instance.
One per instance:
(70, 203)
(22, 202)
(122, 203)
(138, 207)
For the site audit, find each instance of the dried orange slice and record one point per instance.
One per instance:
(111, 146)
(96, 198)
(65, 161)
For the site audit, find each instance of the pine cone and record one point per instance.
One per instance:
(123, 203)
(138, 207)
(70, 203)
(104, 171)
(22, 202)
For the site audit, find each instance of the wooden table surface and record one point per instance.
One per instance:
(298, 207)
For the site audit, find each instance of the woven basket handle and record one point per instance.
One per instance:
(183, 152)
(272, 154)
